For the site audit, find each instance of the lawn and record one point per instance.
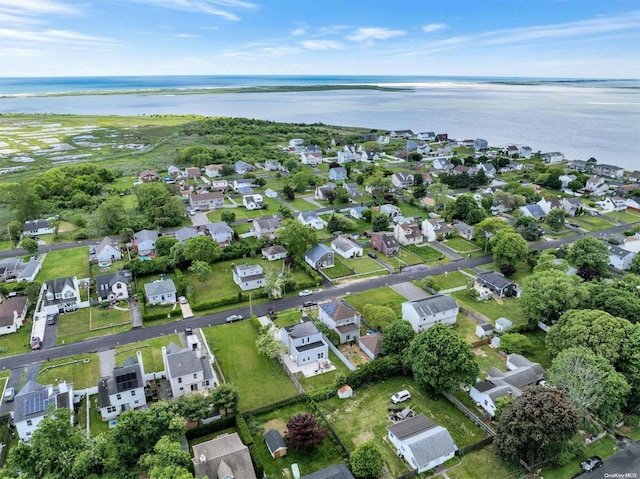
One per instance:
(604, 448)
(338, 270)
(483, 464)
(363, 265)
(151, 352)
(386, 296)
(369, 407)
(259, 380)
(451, 280)
(90, 322)
(300, 204)
(288, 317)
(18, 342)
(627, 216)
(65, 262)
(461, 245)
(487, 358)
(403, 258)
(82, 371)
(425, 252)
(325, 379)
(508, 308)
(466, 327)
(592, 223)
(326, 454)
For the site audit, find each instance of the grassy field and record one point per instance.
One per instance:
(403, 258)
(483, 464)
(65, 262)
(604, 448)
(507, 308)
(363, 265)
(426, 253)
(451, 280)
(18, 342)
(488, 358)
(258, 379)
(627, 216)
(324, 379)
(300, 204)
(592, 223)
(461, 245)
(83, 371)
(338, 270)
(386, 296)
(151, 352)
(287, 318)
(82, 324)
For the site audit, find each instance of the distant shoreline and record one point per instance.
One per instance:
(211, 91)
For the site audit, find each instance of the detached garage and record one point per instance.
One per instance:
(275, 444)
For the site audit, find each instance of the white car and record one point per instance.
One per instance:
(9, 394)
(234, 317)
(401, 396)
(305, 292)
(182, 300)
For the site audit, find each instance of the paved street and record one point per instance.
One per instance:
(623, 465)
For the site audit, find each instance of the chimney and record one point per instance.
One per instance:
(139, 356)
(203, 458)
(198, 351)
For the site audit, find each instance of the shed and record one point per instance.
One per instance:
(275, 444)
(484, 330)
(503, 324)
(345, 392)
(495, 342)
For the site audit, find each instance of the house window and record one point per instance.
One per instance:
(119, 396)
(195, 375)
(133, 393)
(119, 286)
(29, 423)
(179, 380)
(111, 409)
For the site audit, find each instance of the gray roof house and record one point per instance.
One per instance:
(497, 284)
(220, 231)
(423, 444)
(465, 230)
(13, 312)
(32, 402)
(371, 345)
(427, 312)
(319, 257)
(144, 242)
(243, 167)
(161, 291)
(123, 390)
(338, 173)
(275, 443)
(341, 317)
(305, 343)
(266, 226)
(62, 293)
(620, 258)
(113, 286)
(37, 227)
(186, 233)
(535, 211)
(224, 457)
(275, 252)
(187, 370)
(108, 250)
(336, 471)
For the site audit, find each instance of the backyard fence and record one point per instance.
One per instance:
(478, 318)
(341, 356)
(475, 446)
(469, 413)
(333, 432)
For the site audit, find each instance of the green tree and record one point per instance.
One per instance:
(378, 314)
(590, 256)
(378, 184)
(439, 192)
(366, 460)
(629, 363)
(201, 269)
(27, 202)
(285, 212)
(635, 264)
(462, 206)
(164, 245)
(278, 282)
(616, 300)
(534, 424)
(555, 219)
(201, 248)
(297, 237)
(15, 232)
(158, 205)
(547, 294)
(515, 343)
(304, 432)
(509, 248)
(590, 382)
(594, 329)
(379, 221)
(228, 216)
(167, 455)
(29, 245)
(488, 229)
(528, 228)
(397, 337)
(176, 255)
(226, 398)
(502, 403)
(268, 345)
(338, 222)
(288, 192)
(441, 359)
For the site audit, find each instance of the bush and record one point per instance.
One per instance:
(156, 315)
(224, 422)
(243, 431)
(322, 394)
(567, 452)
(376, 371)
(258, 466)
(80, 235)
(227, 300)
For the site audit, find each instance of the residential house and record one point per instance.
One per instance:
(434, 229)
(248, 276)
(213, 171)
(32, 404)
(319, 257)
(149, 175)
(480, 144)
(633, 204)
(338, 173)
(371, 345)
(565, 180)
(323, 191)
(275, 444)
(369, 155)
(385, 242)
(108, 251)
(305, 343)
(552, 157)
(620, 258)
(345, 247)
(224, 457)
(594, 185)
(426, 136)
(173, 171)
(206, 201)
(144, 242)
(525, 152)
(410, 146)
(357, 212)
(401, 134)
(187, 370)
(14, 269)
(296, 142)
(275, 252)
(402, 180)
(489, 170)
(442, 137)
(336, 471)
(580, 165)
(408, 233)
(612, 203)
(219, 185)
(37, 228)
(459, 169)
(13, 312)
(310, 218)
(383, 140)
(424, 148)
(427, 312)
(243, 167)
(253, 202)
(341, 317)
(353, 190)
(421, 443)
(521, 372)
(266, 226)
(465, 230)
(245, 190)
(193, 172)
(160, 291)
(610, 171)
(625, 190)
(220, 231)
(534, 211)
(311, 158)
(273, 165)
(572, 205)
(549, 203)
(123, 390)
(442, 164)
(113, 286)
(390, 210)
(61, 293)
(348, 156)
(497, 284)
(239, 183)
(185, 234)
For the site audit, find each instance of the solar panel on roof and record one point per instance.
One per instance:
(37, 403)
(126, 381)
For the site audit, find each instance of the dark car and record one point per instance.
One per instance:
(188, 331)
(372, 255)
(308, 304)
(592, 463)
(52, 319)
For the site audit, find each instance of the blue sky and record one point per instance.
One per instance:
(542, 38)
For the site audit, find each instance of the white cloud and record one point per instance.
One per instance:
(221, 8)
(374, 33)
(36, 7)
(434, 27)
(185, 35)
(54, 36)
(299, 32)
(321, 45)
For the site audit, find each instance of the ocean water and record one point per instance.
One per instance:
(581, 118)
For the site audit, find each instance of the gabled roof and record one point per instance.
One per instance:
(219, 227)
(267, 223)
(182, 362)
(373, 342)
(35, 225)
(145, 235)
(301, 330)
(33, 400)
(8, 307)
(104, 282)
(275, 249)
(387, 239)
(433, 304)
(161, 286)
(107, 242)
(411, 427)
(337, 471)
(620, 252)
(534, 210)
(436, 443)
(124, 378)
(183, 234)
(274, 440)
(317, 252)
(339, 309)
(344, 244)
(494, 279)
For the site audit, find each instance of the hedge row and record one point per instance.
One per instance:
(277, 405)
(310, 271)
(322, 394)
(258, 466)
(224, 422)
(243, 430)
(375, 371)
(153, 316)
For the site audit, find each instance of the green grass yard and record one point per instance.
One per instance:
(508, 308)
(84, 324)
(627, 216)
(592, 223)
(65, 262)
(451, 280)
(324, 379)
(425, 252)
(386, 296)
(151, 352)
(338, 270)
(259, 380)
(363, 265)
(483, 464)
(461, 245)
(300, 204)
(82, 371)
(18, 342)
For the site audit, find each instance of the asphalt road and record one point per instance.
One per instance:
(623, 465)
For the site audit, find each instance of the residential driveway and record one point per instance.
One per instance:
(199, 219)
(136, 313)
(186, 310)
(410, 291)
(107, 362)
(12, 382)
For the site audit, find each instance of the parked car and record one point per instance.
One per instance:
(308, 304)
(372, 255)
(591, 464)
(52, 319)
(9, 394)
(36, 343)
(401, 396)
(188, 331)
(234, 317)
(182, 300)
(305, 292)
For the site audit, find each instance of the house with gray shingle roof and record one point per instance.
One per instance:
(304, 342)
(37, 227)
(535, 211)
(620, 258)
(422, 443)
(335, 471)
(275, 252)
(346, 248)
(342, 318)
(220, 231)
(187, 370)
(108, 250)
(427, 312)
(161, 291)
(248, 276)
(224, 457)
(61, 293)
(123, 390)
(310, 218)
(113, 286)
(31, 405)
(144, 242)
(266, 226)
(186, 233)
(319, 257)
(498, 284)
(13, 312)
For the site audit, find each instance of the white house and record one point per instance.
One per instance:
(357, 212)
(296, 142)
(571, 205)
(220, 231)
(424, 313)
(185, 234)
(442, 164)
(390, 210)
(123, 390)
(275, 252)
(466, 231)
(614, 203)
(248, 276)
(38, 227)
(187, 370)
(342, 318)
(213, 171)
(348, 157)
(346, 248)
(304, 343)
(434, 228)
(408, 233)
(552, 157)
(422, 443)
(108, 250)
(620, 258)
(207, 201)
(243, 167)
(266, 226)
(338, 173)
(219, 185)
(320, 257)
(480, 144)
(61, 293)
(402, 179)
(13, 312)
(160, 291)
(144, 241)
(31, 405)
(252, 202)
(310, 218)
(113, 286)
(311, 158)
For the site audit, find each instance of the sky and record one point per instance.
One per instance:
(512, 38)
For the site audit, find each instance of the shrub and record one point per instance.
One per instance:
(322, 394)
(224, 422)
(80, 235)
(243, 431)
(258, 466)
(375, 371)
(567, 452)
